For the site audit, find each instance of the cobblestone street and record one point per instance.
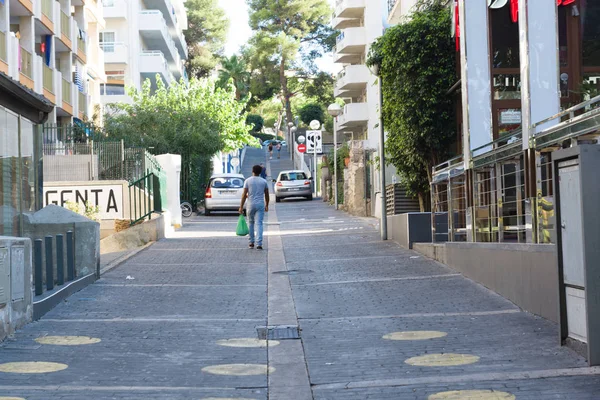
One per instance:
(180, 320)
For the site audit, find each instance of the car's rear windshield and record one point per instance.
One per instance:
(293, 176)
(227, 183)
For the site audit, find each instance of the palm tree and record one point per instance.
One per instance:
(234, 69)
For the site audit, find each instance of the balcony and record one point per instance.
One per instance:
(153, 62)
(65, 30)
(355, 115)
(115, 52)
(82, 105)
(352, 81)
(48, 83)
(174, 26)
(351, 45)
(95, 13)
(344, 23)
(79, 37)
(26, 71)
(350, 8)
(115, 9)
(46, 15)
(21, 8)
(3, 53)
(154, 31)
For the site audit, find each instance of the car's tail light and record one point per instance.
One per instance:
(307, 182)
(279, 184)
(208, 193)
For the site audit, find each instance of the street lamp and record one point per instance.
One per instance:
(376, 70)
(291, 142)
(335, 110)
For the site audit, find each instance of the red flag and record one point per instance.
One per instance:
(457, 24)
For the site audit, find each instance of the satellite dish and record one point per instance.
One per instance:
(495, 4)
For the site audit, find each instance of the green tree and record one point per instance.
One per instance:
(198, 119)
(206, 36)
(417, 60)
(284, 31)
(256, 122)
(310, 112)
(234, 69)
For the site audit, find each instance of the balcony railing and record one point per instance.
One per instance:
(82, 102)
(47, 6)
(81, 44)
(3, 46)
(26, 63)
(65, 24)
(66, 92)
(48, 79)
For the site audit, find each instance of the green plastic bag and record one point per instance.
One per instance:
(242, 227)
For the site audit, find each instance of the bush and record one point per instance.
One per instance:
(311, 112)
(256, 121)
(263, 136)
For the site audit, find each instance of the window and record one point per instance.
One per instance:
(113, 90)
(505, 39)
(107, 41)
(590, 33)
(227, 183)
(293, 176)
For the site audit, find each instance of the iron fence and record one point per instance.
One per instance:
(145, 198)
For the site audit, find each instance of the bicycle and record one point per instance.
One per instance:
(186, 209)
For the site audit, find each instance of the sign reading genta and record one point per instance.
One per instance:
(108, 198)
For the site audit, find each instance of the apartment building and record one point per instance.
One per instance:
(45, 45)
(142, 39)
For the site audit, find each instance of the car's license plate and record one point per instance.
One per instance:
(227, 191)
(294, 189)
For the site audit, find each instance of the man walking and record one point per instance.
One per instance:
(256, 191)
(263, 173)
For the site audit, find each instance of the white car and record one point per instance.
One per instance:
(223, 193)
(292, 184)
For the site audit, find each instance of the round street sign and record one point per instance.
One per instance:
(315, 124)
(302, 148)
(235, 161)
(301, 139)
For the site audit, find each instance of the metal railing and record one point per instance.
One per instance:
(65, 24)
(47, 6)
(26, 63)
(3, 46)
(48, 80)
(66, 92)
(144, 198)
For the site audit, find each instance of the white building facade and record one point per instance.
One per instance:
(48, 46)
(142, 39)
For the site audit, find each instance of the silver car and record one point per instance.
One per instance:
(223, 193)
(292, 184)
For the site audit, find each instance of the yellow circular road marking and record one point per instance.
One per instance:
(442, 360)
(238, 369)
(472, 395)
(67, 340)
(33, 367)
(246, 342)
(415, 335)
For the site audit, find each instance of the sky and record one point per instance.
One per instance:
(240, 32)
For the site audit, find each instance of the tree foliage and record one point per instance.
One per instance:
(206, 36)
(198, 119)
(283, 32)
(417, 60)
(312, 111)
(256, 122)
(234, 70)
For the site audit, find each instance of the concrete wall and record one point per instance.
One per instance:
(136, 236)
(16, 296)
(409, 228)
(526, 274)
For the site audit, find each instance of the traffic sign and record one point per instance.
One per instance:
(314, 139)
(235, 161)
(302, 148)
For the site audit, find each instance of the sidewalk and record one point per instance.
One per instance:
(182, 318)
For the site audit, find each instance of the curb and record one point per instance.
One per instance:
(120, 260)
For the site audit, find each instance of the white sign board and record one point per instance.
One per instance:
(314, 139)
(108, 198)
(510, 117)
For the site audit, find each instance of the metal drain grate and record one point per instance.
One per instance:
(278, 332)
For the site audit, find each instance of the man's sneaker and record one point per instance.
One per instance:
(259, 248)
(251, 246)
